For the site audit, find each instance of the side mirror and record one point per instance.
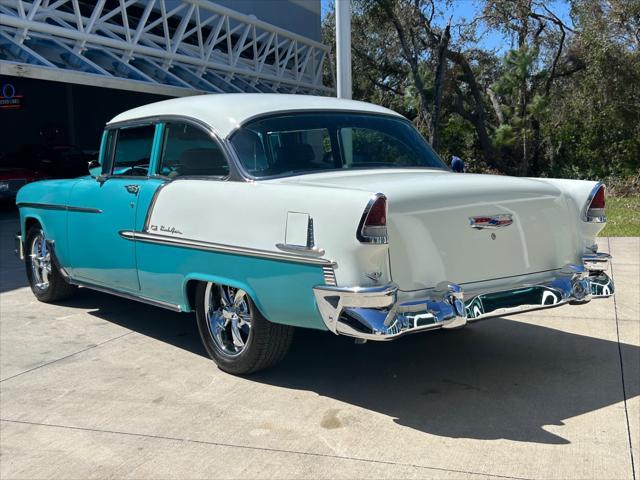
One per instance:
(457, 164)
(95, 169)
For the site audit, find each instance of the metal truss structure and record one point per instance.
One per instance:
(168, 47)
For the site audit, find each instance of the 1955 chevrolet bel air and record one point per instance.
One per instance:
(263, 212)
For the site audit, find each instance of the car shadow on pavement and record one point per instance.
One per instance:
(177, 329)
(495, 379)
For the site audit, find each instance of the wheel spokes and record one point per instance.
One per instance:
(237, 335)
(229, 318)
(44, 273)
(40, 262)
(245, 319)
(226, 297)
(238, 299)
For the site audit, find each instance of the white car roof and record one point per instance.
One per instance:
(225, 111)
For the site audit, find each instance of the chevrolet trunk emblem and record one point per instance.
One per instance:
(491, 221)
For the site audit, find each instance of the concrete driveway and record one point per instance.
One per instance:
(104, 387)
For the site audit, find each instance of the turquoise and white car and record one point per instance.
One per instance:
(261, 213)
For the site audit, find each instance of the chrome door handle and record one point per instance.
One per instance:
(133, 189)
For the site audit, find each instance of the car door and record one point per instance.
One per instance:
(99, 254)
(187, 152)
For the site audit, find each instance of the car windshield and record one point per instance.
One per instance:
(297, 143)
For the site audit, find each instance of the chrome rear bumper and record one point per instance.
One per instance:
(374, 313)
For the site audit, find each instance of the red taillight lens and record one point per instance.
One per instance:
(373, 226)
(377, 216)
(595, 210)
(598, 199)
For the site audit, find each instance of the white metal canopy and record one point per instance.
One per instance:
(167, 47)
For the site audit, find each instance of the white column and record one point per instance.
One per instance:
(343, 47)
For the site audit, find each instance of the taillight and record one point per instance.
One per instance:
(373, 225)
(594, 211)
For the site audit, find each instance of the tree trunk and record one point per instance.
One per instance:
(496, 105)
(411, 57)
(523, 94)
(439, 86)
(478, 119)
(537, 145)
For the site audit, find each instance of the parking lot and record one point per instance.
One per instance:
(102, 387)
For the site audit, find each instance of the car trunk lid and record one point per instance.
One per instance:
(465, 228)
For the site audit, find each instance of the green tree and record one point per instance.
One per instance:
(564, 100)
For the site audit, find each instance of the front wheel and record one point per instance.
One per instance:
(235, 334)
(47, 283)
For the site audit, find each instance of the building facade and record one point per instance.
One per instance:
(67, 66)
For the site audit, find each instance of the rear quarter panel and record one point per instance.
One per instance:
(254, 216)
(577, 194)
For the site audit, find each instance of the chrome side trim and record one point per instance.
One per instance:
(52, 206)
(128, 296)
(221, 248)
(83, 209)
(152, 205)
(600, 217)
(19, 246)
(376, 313)
(301, 249)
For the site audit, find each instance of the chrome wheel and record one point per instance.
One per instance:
(228, 318)
(40, 261)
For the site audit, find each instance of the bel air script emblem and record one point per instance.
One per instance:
(492, 221)
(171, 230)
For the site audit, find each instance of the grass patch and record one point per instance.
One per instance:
(623, 217)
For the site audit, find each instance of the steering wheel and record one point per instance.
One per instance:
(140, 168)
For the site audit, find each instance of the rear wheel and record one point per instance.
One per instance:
(235, 334)
(47, 283)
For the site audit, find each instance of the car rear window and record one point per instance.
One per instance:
(296, 143)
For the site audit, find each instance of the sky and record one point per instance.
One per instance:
(466, 9)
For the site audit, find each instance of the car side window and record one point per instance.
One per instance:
(190, 151)
(106, 152)
(132, 151)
